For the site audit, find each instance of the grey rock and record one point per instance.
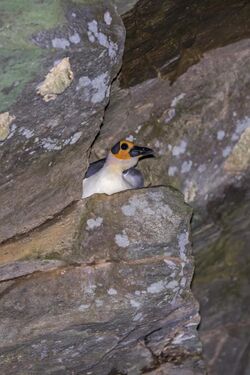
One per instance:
(193, 125)
(165, 38)
(45, 154)
(72, 319)
(126, 306)
(222, 282)
(125, 6)
(14, 270)
(199, 127)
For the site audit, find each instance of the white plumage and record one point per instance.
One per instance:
(116, 173)
(109, 179)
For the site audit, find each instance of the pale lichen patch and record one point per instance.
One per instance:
(57, 80)
(170, 263)
(186, 166)
(239, 160)
(137, 317)
(226, 151)
(241, 126)
(130, 138)
(183, 281)
(202, 168)
(177, 99)
(107, 18)
(134, 303)
(96, 89)
(112, 292)
(83, 307)
(138, 129)
(94, 223)
(190, 191)
(182, 337)
(101, 88)
(136, 204)
(75, 138)
(168, 115)
(156, 287)
(98, 302)
(172, 170)
(27, 133)
(172, 284)
(5, 121)
(180, 148)
(94, 34)
(122, 240)
(220, 135)
(60, 43)
(90, 288)
(183, 241)
(49, 144)
(75, 38)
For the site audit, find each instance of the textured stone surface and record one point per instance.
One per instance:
(166, 37)
(53, 240)
(45, 154)
(124, 6)
(14, 270)
(199, 126)
(193, 125)
(53, 317)
(125, 307)
(222, 282)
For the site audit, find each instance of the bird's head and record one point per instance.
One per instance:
(126, 154)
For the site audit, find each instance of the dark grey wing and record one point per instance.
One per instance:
(134, 177)
(94, 167)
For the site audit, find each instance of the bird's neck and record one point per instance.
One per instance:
(115, 165)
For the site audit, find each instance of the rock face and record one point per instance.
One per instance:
(44, 150)
(196, 126)
(164, 38)
(102, 286)
(199, 125)
(124, 308)
(222, 282)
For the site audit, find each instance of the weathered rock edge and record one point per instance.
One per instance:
(44, 150)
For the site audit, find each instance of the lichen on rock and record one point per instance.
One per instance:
(128, 302)
(239, 159)
(107, 279)
(56, 81)
(46, 151)
(5, 121)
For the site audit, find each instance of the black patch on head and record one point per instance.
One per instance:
(124, 146)
(116, 148)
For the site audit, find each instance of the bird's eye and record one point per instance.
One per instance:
(124, 146)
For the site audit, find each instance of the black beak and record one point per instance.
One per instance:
(140, 151)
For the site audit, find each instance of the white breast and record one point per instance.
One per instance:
(104, 181)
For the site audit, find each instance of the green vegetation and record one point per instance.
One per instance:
(20, 58)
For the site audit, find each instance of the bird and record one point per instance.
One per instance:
(116, 172)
